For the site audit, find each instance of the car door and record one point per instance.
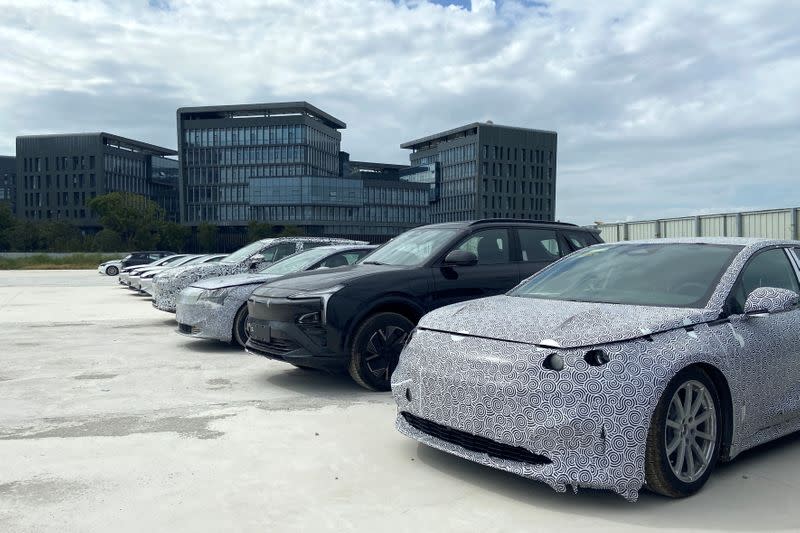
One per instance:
(770, 345)
(538, 247)
(495, 273)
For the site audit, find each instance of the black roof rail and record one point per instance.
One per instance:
(521, 220)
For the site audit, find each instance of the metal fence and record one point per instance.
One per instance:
(772, 223)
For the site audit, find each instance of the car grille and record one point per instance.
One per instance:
(275, 347)
(474, 442)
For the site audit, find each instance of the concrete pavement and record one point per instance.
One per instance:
(111, 421)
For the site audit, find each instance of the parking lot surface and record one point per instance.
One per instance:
(111, 421)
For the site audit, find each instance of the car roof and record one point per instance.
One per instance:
(505, 222)
(747, 242)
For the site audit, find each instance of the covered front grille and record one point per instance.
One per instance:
(185, 328)
(474, 442)
(275, 347)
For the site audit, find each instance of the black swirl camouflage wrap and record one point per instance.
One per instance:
(477, 368)
(168, 285)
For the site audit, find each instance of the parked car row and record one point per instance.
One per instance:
(531, 347)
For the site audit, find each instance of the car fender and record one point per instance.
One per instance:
(381, 304)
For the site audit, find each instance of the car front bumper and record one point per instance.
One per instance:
(589, 424)
(276, 334)
(206, 319)
(146, 285)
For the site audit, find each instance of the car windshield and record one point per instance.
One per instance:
(411, 248)
(168, 259)
(243, 253)
(671, 275)
(186, 260)
(297, 262)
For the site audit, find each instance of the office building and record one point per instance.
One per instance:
(59, 174)
(8, 181)
(281, 163)
(485, 170)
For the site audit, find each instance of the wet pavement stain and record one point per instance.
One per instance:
(191, 427)
(95, 376)
(41, 490)
(218, 383)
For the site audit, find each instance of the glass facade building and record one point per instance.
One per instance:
(484, 170)
(59, 174)
(281, 164)
(8, 181)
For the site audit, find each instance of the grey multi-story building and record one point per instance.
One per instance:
(485, 170)
(8, 181)
(58, 174)
(281, 163)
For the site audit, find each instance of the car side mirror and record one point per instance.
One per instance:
(765, 301)
(255, 260)
(461, 258)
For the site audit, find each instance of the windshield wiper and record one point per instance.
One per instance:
(372, 263)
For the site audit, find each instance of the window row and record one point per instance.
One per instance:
(42, 164)
(261, 135)
(48, 214)
(510, 202)
(459, 170)
(76, 181)
(525, 187)
(59, 199)
(532, 155)
(124, 165)
(457, 154)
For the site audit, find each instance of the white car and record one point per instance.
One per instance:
(110, 268)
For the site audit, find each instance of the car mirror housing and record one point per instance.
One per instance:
(765, 301)
(461, 258)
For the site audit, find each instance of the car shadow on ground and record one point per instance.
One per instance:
(319, 383)
(749, 493)
(210, 346)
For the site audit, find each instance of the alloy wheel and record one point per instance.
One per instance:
(383, 351)
(690, 434)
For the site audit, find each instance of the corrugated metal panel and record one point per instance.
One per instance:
(610, 232)
(641, 230)
(712, 226)
(678, 227)
(772, 224)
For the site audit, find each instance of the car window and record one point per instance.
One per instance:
(767, 269)
(578, 239)
(490, 246)
(538, 244)
(308, 245)
(154, 257)
(334, 261)
(279, 251)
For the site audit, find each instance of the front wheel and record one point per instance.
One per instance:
(240, 335)
(112, 270)
(685, 435)
(376, 349)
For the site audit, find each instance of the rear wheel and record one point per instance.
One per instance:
(685, 435)
(240, 335)
(376, 349)
(112, 270)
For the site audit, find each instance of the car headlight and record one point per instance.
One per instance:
(322, 293)
(216, 296)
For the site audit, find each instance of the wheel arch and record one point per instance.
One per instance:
(400, 304)
(720, 382)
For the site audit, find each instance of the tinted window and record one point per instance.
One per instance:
(276, 253)
(767, 269)
(411, 248)
(490, 246)
(579, 239)
(336, 260)
(674, 275)
(538, 244)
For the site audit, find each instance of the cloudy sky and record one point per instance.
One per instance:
(663, 108)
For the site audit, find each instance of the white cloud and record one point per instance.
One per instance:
(662, 108)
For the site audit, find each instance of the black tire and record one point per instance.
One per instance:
(112, 270)
(239, 334)
(372, 358)
(659, 474)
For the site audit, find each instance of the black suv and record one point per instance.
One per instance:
(358, 317)
(143, 258)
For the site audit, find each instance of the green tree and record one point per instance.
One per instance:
(258, 230)
(135, 218)
(60, 236)
(173, 237)
(108, 240)
(25, 237)
(207, 237)
(7, 222)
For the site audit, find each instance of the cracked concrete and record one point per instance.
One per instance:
(111, 421)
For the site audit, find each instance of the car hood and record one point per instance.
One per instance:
(234, 280)
(322, 279)
(558, 323)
